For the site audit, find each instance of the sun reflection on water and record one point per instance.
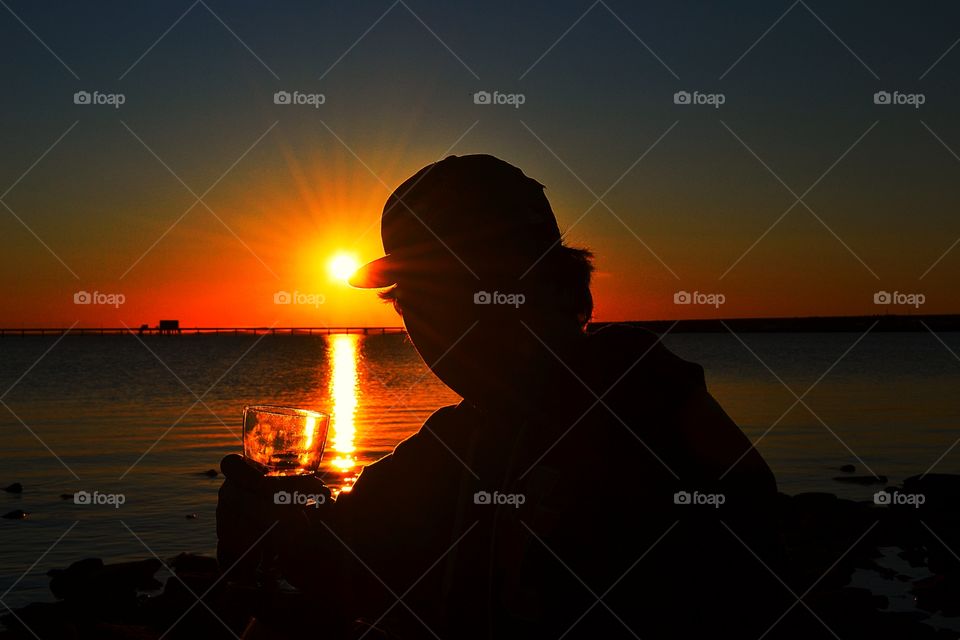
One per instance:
(343, 391)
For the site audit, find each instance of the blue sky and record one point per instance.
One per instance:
(693, 187)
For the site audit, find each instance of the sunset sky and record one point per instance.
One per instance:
(93, 199)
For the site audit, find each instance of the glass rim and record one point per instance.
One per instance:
(281, 410)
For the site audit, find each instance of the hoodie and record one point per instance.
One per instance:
(599, 509)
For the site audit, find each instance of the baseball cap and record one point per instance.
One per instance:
(478, 210)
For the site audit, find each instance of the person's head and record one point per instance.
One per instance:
(478, 269)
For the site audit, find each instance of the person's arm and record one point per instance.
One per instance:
(372, 532)
(722, 451)
(388, 528)
(250, 510)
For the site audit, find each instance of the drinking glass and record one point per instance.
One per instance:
(286, 441)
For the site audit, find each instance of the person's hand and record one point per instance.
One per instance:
(253, 511)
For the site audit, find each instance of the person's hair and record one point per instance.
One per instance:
(389, 296)
(564, 275)
(561, 280)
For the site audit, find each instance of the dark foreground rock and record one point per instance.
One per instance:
(862, 479)
(124, 601)
(91, 576)
(825, 540)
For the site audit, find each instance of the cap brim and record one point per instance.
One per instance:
(377, 274)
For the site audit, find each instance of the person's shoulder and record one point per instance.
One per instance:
(416, 463)
(448, 427)
(639, 354)
(626, 338)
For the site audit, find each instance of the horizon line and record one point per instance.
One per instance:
(952, 318)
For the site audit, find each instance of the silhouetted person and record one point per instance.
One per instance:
(554, 498)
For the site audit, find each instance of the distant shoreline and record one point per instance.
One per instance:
(810, 324)
(814, 324)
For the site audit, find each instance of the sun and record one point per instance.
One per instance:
(342, 266)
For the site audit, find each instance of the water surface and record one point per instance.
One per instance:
(114, 415)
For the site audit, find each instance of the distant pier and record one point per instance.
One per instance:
(859, 324)
(181, 331)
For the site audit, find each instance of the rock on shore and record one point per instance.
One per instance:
(825, 540)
